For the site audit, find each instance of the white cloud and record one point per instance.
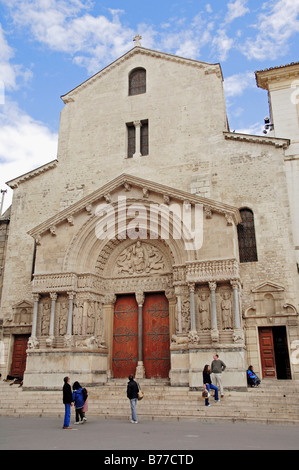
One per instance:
(222, 44)
(68, 27)
(236, 84)
(275, 28)
(254, 129)
(9, 73)
(236, 9)
(25, 144)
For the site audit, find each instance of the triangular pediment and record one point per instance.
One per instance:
(268, 286)
(22, 304)
(136, 189)
(138, 50)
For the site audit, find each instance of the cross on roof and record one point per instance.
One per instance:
(137, 40)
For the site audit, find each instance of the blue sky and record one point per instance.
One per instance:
(47, 47)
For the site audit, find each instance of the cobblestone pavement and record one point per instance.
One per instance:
(46, 433)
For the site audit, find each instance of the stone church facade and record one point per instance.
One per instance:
(157, 237)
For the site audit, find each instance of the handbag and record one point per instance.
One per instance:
(140, 393)
(205, 394)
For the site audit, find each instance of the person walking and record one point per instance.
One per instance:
(68, 402)
(217, 367)
(78, 399)
(206, 375)
(132, 394)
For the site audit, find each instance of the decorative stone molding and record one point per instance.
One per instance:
(105, 194)
(60, 282)
(13, 184)
(208, 271)
(255, 139)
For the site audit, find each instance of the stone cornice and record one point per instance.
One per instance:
(257, 139)
(279, 73)
(125, 181)
(208, 68)
(13, 184)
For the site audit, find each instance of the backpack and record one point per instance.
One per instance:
(85, 394)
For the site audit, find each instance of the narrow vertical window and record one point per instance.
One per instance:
(131, 140)
(144, 138)
(137, 82)
(246, 237)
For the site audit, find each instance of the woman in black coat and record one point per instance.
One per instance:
(132, 394)
(68, 401)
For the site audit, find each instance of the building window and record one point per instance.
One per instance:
(131, 132)
(246, 237)
(137, 82)
(137, 135)
(144, 138)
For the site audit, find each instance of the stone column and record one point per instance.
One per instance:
(108, 318)
(214, 326)
(191, 286)
(237, 320)
(137, 125)
(179, 313)
(49, 341)
(53, 296)
(33, 343)
(140, 371)
(69, 329)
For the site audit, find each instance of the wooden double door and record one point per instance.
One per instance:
(154, 341)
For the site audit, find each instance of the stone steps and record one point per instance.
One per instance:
(271, 403)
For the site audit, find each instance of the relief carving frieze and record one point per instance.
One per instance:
(139, 259)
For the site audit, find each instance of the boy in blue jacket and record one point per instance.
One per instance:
(78, 399)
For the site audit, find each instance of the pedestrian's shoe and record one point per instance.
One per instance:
(77, 422)
(134, 422)
(66, 427)
(84, 419)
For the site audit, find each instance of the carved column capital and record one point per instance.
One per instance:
(109, 299)
(191, 286)
(212, 286)
(139, 298)
(235, 284)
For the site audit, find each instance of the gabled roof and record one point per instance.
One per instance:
(124, 181)
(138, 50)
